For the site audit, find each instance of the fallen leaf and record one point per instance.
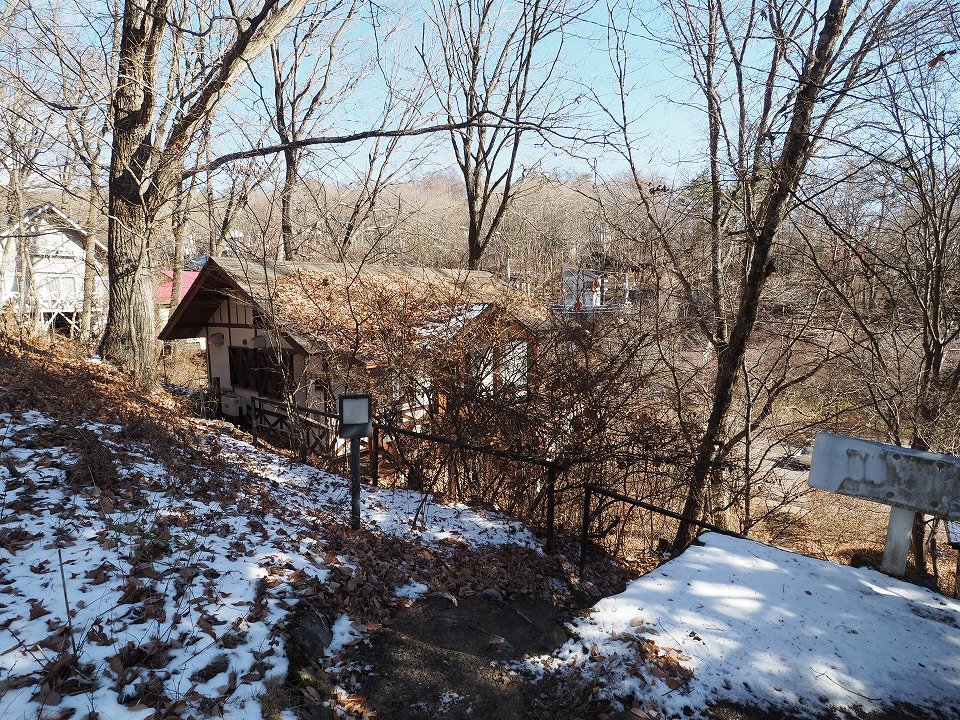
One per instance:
(37, 610)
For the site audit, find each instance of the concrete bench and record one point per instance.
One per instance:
(909, 481)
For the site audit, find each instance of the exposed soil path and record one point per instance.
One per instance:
(440, 660)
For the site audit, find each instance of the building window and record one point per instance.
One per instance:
(266, 371)
(483, 368)
(59, 290)
(514, 363)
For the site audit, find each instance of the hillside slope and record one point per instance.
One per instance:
(158, 566)
(153, 565)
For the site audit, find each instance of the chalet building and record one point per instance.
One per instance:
(607, 285)
(42, 266)
(610, 288)
(300, 334)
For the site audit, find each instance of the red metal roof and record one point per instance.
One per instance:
(163, 291)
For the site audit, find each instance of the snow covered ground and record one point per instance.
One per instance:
(767, 627)
(176, 589)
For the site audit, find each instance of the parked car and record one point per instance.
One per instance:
(803, 457)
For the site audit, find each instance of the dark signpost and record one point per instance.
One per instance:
(356, 422)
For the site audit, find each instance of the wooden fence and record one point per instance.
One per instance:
(309, 431)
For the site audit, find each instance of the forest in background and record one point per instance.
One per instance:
(802, 276)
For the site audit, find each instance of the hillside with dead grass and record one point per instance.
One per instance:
(157, 566)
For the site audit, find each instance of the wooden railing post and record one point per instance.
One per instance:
(218, 395)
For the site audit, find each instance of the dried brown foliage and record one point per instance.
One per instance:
(377, 315)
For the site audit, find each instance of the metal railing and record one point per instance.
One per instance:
(591, 489)
(317, 434)
(552, 466)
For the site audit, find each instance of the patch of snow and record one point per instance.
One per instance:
(228, 566)
(411, 591)
(449, 699)
(448, 328)
(404, 513)
(343, 634)
(767, 627)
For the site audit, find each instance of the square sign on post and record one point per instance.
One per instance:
(909, 481)
(356, 417)
(356, 421)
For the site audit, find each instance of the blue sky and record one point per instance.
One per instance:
(665, 121)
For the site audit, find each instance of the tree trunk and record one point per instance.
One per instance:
(23, 279)
(785, 178)
(918, 536)
(89, 286)
(476, 254)
(89, 259)
(286, 202)
(475, 245)
(181, 215)
(8, 260)
(177, 280)
(747, 446)
(919, 530)
(129, 336)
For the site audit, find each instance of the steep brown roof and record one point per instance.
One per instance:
(347, 307)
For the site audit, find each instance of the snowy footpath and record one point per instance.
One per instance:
(765, 627)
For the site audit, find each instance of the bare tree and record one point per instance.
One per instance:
(62, 68)
(144, 172)
(500, 60)
(836, 48)
(905, 245)
(346, 205)
(303, 86)
(773, 78)
(85, 98)
(175, 63)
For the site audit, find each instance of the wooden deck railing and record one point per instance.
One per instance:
(311, 432)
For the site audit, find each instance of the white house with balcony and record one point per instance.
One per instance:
(42, 266)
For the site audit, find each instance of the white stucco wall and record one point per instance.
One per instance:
(235, 321)
(8, 268)
(54, 275)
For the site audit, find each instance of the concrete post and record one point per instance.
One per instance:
(898, 541)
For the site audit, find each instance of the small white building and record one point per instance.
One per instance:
(585, 290)
(42, 267)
